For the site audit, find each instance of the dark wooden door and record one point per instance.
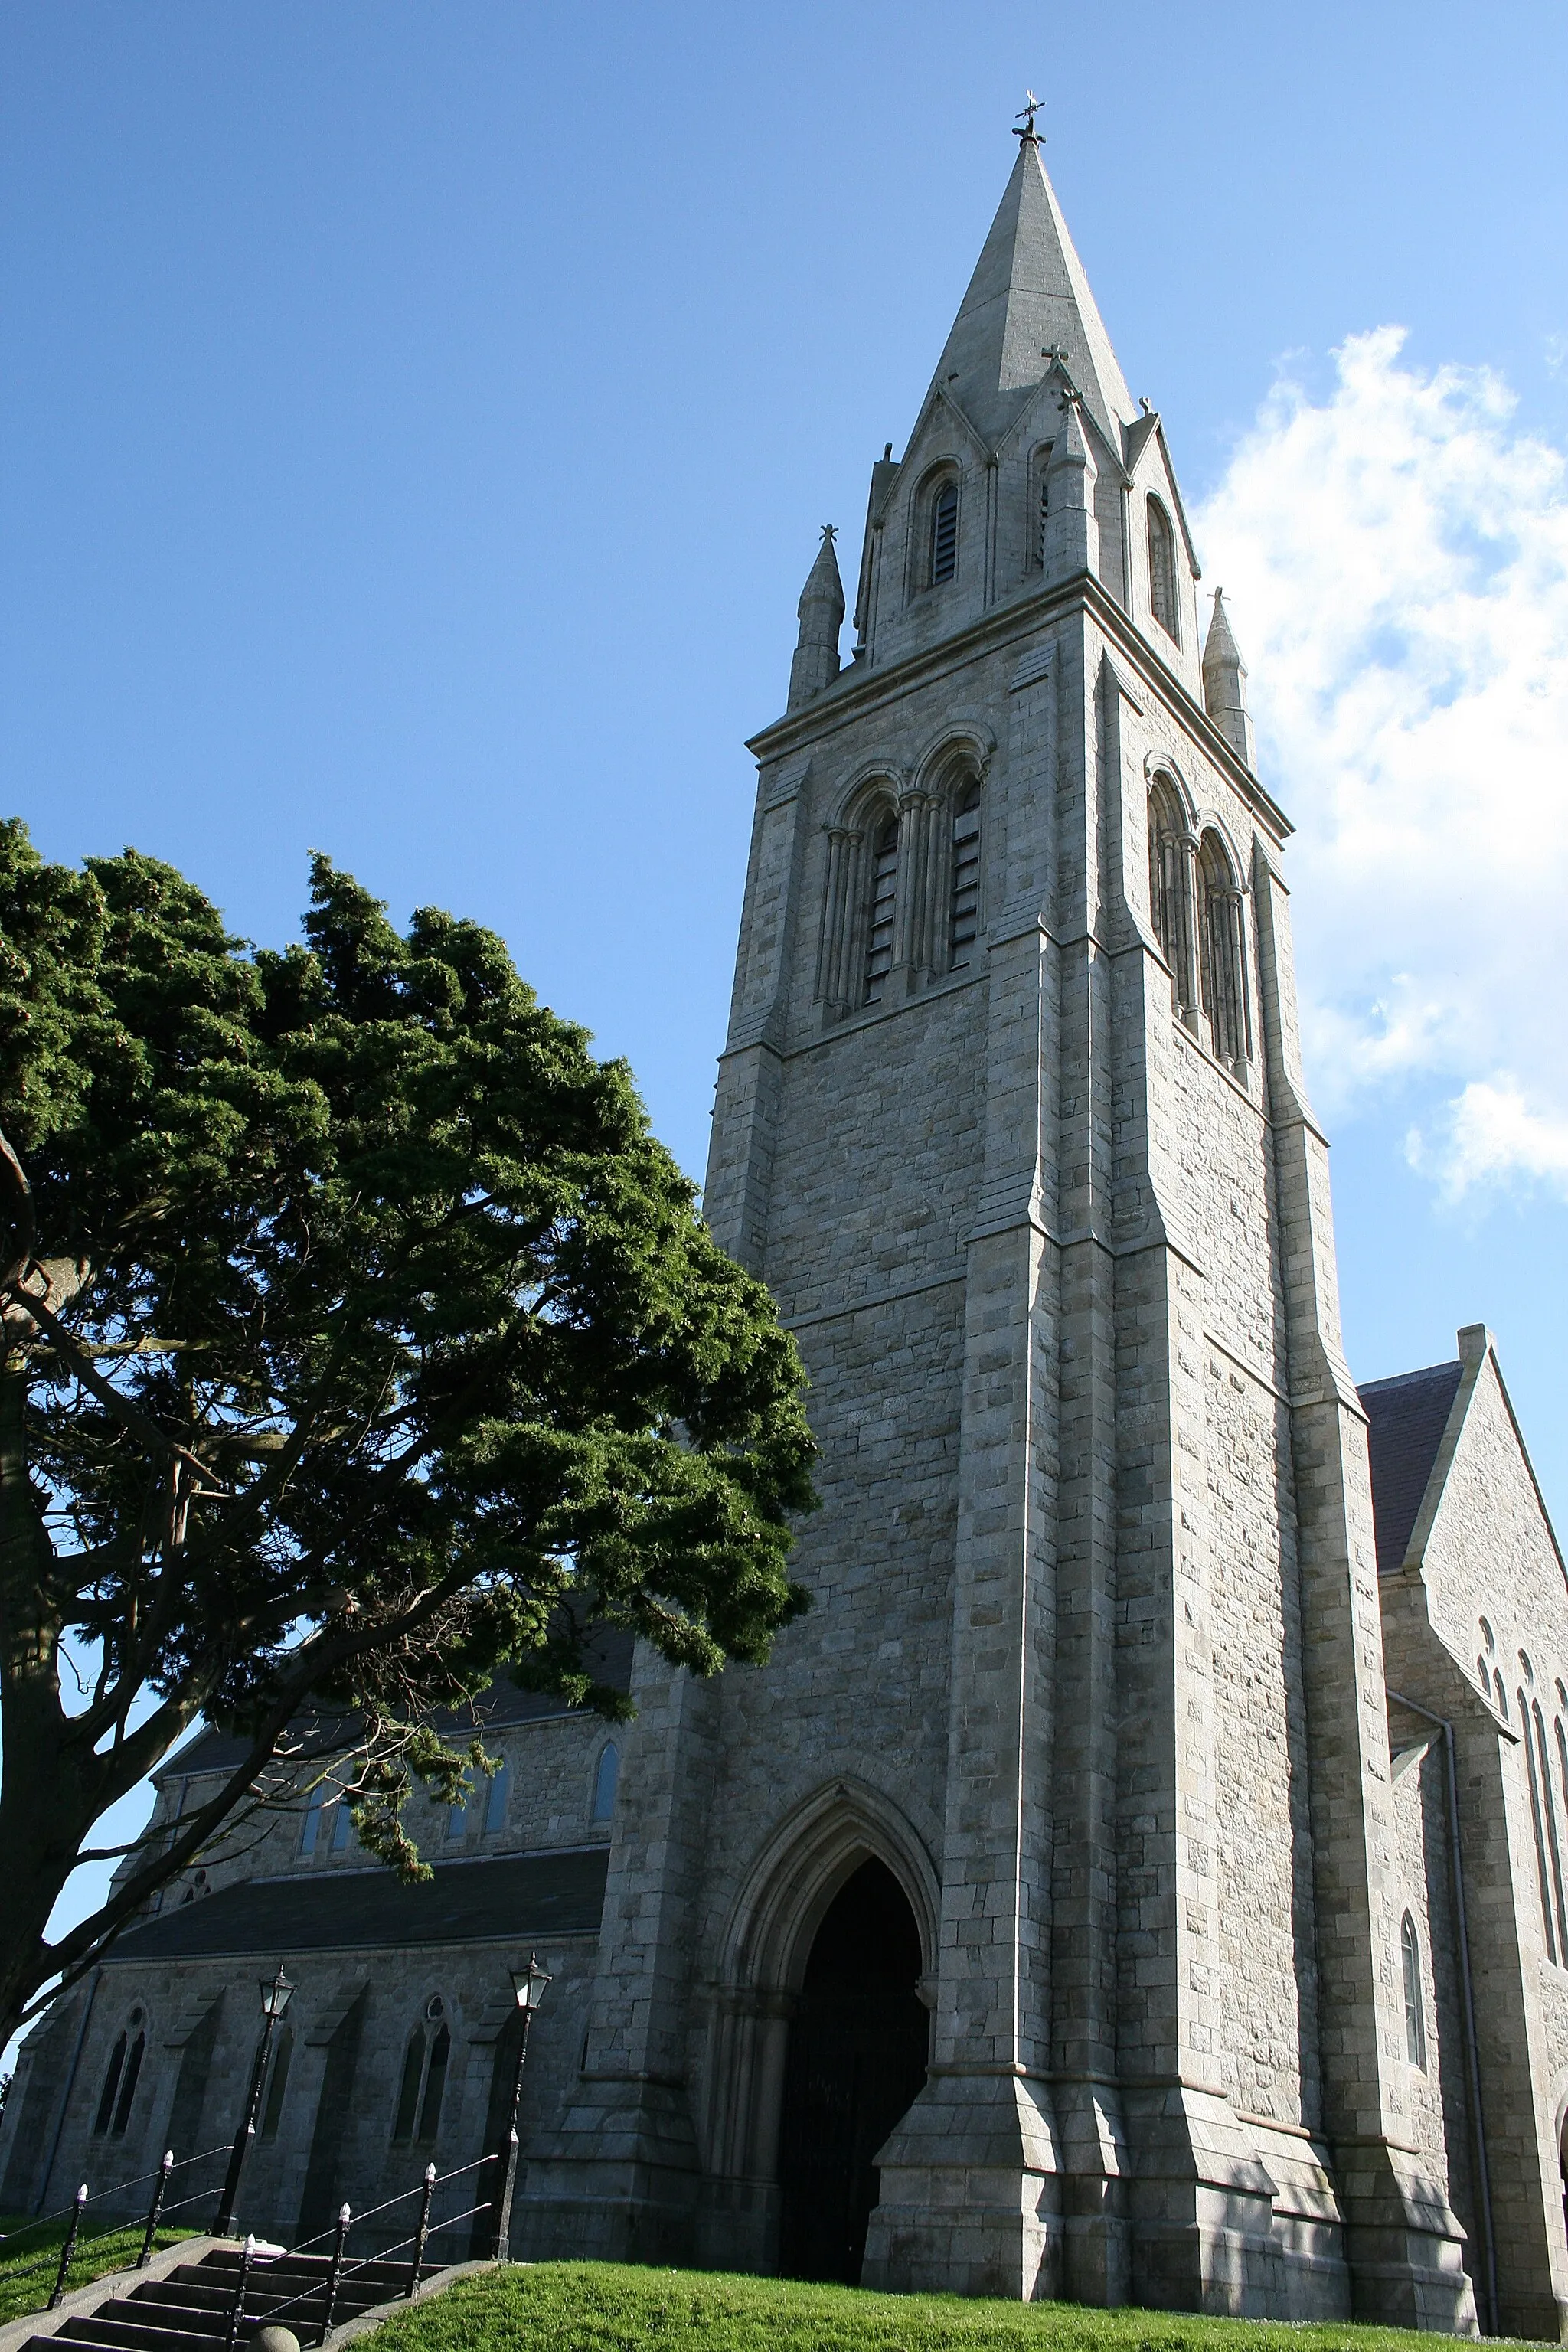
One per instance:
(857, 2059)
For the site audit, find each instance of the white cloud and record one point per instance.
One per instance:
(1395, 557)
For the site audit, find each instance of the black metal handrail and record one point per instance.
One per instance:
(329, 2285)
(157, 2213)
(401, 2199)
(115, 2189)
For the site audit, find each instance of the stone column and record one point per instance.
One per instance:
(915, 916)
(840, 899)
(1182, 852)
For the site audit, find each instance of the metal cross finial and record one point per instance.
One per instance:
(1025, 115)
(830, 531)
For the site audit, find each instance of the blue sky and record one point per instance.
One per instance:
(416, 419)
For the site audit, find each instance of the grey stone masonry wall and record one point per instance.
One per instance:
(1475, 1632)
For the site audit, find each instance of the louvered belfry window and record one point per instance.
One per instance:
(944, 534)
(1161, 568)
(881, 912)
(965, 918)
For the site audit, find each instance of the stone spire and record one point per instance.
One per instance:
(1224, 682)
(1029, 297)
(820, 610)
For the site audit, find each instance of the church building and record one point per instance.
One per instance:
(1140, 1877)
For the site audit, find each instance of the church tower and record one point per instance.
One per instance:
(1025, 1926)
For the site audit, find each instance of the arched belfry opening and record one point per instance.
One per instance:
(857, 2058)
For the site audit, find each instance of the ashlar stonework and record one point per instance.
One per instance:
(1140, 1876)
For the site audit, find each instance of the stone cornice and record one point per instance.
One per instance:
(852, 692)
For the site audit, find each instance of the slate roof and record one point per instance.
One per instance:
(1407, 1415)
(512, 1897)
(607, 1655)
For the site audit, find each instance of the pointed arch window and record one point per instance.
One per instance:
(881, 907)
(120, 2080)
(1554, 1844)
(423, 2081)
(342, 1825)
(458, 1814)
(1163, 568)
(311, 1828)
(963, 898)
(1414, 2006)
(605, 1779)
(1538, 1824)
(496, 1798)
(1222, 960)
(943, 533)
(1171, 891)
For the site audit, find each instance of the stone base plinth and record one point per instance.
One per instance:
(969, 2194)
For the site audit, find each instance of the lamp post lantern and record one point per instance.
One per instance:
(275, 1999)
(528, 1990)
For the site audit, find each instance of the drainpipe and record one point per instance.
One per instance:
(1472, 2058)
(70, 2085)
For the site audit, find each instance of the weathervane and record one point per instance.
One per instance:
(1025, 115)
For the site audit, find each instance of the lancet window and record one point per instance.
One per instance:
(963, 894)
(1414, 2006)
(1553, 1842)
(902, 886)
(119, 2079)
(1161, 568)
(1169, 886)
(1222, 956)
(606, 1776)
(1540, 1799)
(424, 2081)
(1196, 908)
(881, 909)
(944, 533)
(496, 1798)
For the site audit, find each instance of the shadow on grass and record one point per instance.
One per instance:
(27, 2270)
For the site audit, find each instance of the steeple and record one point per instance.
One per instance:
(1224, 682)
(1028, 297)
(821, 611)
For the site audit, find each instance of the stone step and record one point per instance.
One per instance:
(189, 2309)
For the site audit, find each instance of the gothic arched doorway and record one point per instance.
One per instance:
(857, 2059)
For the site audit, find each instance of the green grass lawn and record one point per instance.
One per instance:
(24, 2288)
(612, 2308)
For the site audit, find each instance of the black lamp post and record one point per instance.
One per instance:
(275, 1999)
(528, 1988)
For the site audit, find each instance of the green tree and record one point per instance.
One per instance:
(358, 1336)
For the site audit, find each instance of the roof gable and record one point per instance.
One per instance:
(1406, 1417)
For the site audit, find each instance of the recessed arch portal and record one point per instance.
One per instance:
(858, 2042)
(771, 1959)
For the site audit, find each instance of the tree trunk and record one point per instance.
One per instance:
(45, 1810)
